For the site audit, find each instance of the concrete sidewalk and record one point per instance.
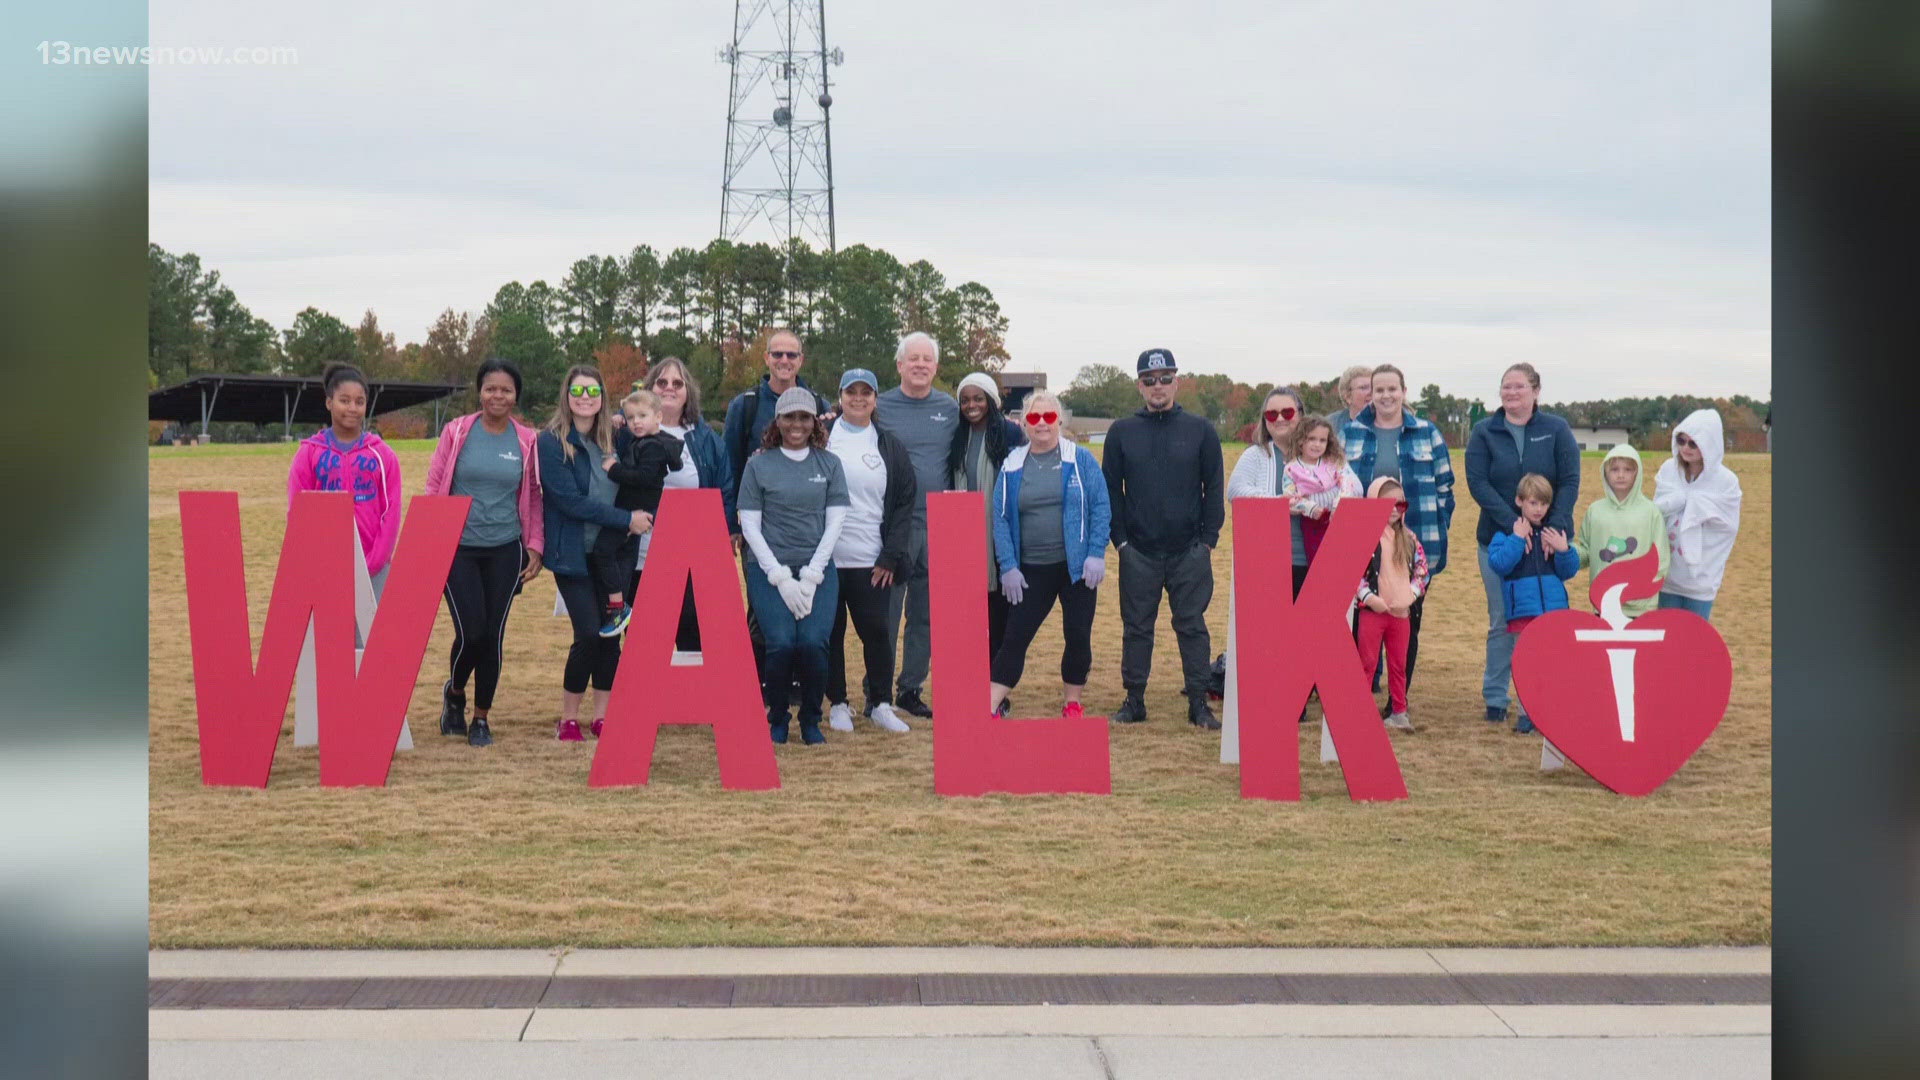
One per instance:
(536, 995)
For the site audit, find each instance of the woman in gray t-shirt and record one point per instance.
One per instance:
(792, 502)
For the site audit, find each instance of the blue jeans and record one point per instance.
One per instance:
(1702, 608)
(1499, 669)
(795, 647)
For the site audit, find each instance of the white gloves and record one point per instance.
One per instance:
(791, 595)
(810, 579)
(1093, 572)
(1013, 584)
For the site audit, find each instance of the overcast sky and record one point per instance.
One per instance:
(1273, 189)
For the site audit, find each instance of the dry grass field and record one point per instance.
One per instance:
(509, 847)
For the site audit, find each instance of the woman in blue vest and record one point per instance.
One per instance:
(1509, 444)
(1050, 515)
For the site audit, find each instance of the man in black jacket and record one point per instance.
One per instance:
(749, 413)
(1168, 489)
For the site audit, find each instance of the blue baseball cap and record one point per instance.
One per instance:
(859, 375)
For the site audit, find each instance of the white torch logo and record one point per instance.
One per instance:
(1620, 659)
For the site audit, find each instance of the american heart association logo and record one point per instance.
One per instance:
(1629, 701)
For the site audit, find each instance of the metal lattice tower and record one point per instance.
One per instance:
(779, 144)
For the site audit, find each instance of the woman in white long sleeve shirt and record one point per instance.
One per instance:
(792, 503)
(1700, 498)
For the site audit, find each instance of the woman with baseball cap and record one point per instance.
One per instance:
(980, 446)
(793, 502)
(873, 540)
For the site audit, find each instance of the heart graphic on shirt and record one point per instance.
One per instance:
(872, 460)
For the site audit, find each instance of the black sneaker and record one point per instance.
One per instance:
(453, 711)
(810, 733)
(1006, 707)
(478, 733)
(1131, 711)
(1496, 714)
(1201, 716)
(910, 702)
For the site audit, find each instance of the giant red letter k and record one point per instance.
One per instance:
(1289, 647)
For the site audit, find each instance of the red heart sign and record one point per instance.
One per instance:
(1629, 701)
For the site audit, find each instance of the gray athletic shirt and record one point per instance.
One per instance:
(792, 497)
(1041, 540)
(925, 428)
(1386, 461)
(488, 471)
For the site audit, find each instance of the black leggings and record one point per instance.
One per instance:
(480, 589)
(1044, 585)
(997, 608)
(867, 603)
(686, 637)
(590, 657)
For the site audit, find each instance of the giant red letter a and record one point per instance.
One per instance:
(722, 690)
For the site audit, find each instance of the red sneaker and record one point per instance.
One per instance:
(1072, 711)
(595, 726)
(568, 731)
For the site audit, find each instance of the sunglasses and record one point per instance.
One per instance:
(1682, 440)
(782, 354)
(584, 391)
(670, 384)
(1275, 415)
(1035, 419)
(1400, 505)
(1157, 380)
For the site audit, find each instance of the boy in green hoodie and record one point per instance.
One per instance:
(1622, 523)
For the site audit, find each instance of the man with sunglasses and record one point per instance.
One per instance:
(749, 413)
(1166, 483)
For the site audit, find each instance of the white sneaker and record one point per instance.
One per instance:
(885, 719)
(840, 718)
(1400, 722)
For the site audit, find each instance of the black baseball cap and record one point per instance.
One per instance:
(1155, 360)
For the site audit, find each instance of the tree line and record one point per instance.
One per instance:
(707, 306)
(1107, 390)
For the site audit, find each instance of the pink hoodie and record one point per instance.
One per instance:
(368, 469)
(533, 525)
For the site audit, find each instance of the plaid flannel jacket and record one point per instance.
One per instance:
(1426, 474)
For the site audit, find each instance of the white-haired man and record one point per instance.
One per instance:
(923, 418)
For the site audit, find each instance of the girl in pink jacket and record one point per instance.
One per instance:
(347, 457)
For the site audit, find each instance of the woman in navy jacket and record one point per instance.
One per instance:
(704, 464)
(576, 497)
(1517, 440)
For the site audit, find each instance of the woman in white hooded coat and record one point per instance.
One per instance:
(1700, 499)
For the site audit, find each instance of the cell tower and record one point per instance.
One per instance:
(779, 143)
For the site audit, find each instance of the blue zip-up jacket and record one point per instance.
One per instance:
(1494, 470)
(748, 415)
(1085, 510)
(566, 506)
(1531, 581)
(709, 454)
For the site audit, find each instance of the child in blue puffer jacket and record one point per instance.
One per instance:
(1532, 562)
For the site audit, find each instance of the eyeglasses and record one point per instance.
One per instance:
(1157, 380)
(1035, 419)
(670, 384)
(1682, 440)
(1276, 415)
(782, 354)
(584, 391)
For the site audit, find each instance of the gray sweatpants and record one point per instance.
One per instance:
(1187, 580)
(910, 596)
